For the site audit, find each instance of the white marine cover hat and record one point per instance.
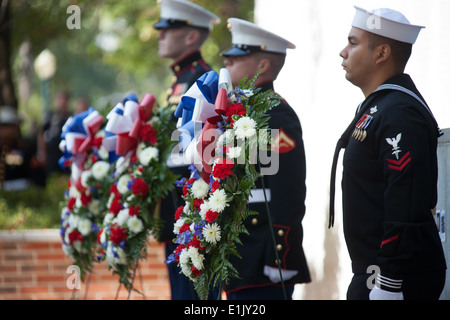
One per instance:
(247, 38)
(388, 23)
(177, 13)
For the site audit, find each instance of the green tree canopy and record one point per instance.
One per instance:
(114, 51)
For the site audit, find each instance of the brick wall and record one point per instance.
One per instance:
(33, 266)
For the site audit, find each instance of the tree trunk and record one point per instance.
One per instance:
(7, 94)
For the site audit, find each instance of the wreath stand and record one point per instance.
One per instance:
(269, 218)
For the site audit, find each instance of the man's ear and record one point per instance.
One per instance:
(383, 52)
(192, 37)
(264, 66)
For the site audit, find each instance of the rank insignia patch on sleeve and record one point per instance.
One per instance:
(398, 164)
(282, 143)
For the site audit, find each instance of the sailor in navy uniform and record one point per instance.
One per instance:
(183, 28)
(390, 167)
(256, 49)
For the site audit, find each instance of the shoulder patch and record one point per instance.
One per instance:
(397, 164)
(283, 143)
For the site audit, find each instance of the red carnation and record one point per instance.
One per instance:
(179, 212)
(140, 188)
(197, 203)
(215, 185)
(99, 235)
(133, 211)
(113, 189)
(184, 228)
(235, 109)
(211, 216)
(71, 203)
(178, 251)
(115, 207)
(185, 190)
(74, 236)
(195, 242)
(196, 272)
(118, 234)
(85, 199)
(222, 170)
(148, 134)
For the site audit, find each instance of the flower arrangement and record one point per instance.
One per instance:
(208, 226)
(141, 177)
(88, 186)
(118, 173)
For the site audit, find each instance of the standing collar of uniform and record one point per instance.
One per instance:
(266, 86)
(178, 66)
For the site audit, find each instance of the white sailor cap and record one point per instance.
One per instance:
(178, 13)
(247, 38)
(387, 23)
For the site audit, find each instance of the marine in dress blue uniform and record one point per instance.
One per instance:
(181, 14)
(285, 190)
(390, 180)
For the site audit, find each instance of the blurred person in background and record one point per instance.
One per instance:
(183, 28)
(52, 131)
(19, 165)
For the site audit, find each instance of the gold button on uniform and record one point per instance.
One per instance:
(280, 233)
(279, 247)
(254, 221)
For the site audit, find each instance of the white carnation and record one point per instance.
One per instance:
(147, 155)
(85, 175)
(244, 128)
(108, 218)
(84, 226)
(204, 207)
(177, 225)
(103, 153)
(94, 206)
(135, 224)
(234, 152)
(74, 192)
(184, 257)
(100, 169)
(200, 189)
(73, 221)
(196, 258)
(218, 201)
(114, 260)
(122, 217)
(122, 184)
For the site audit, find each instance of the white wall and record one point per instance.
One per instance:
(313, 83)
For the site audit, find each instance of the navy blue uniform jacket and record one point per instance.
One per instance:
(390, 186)
(287, 208)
